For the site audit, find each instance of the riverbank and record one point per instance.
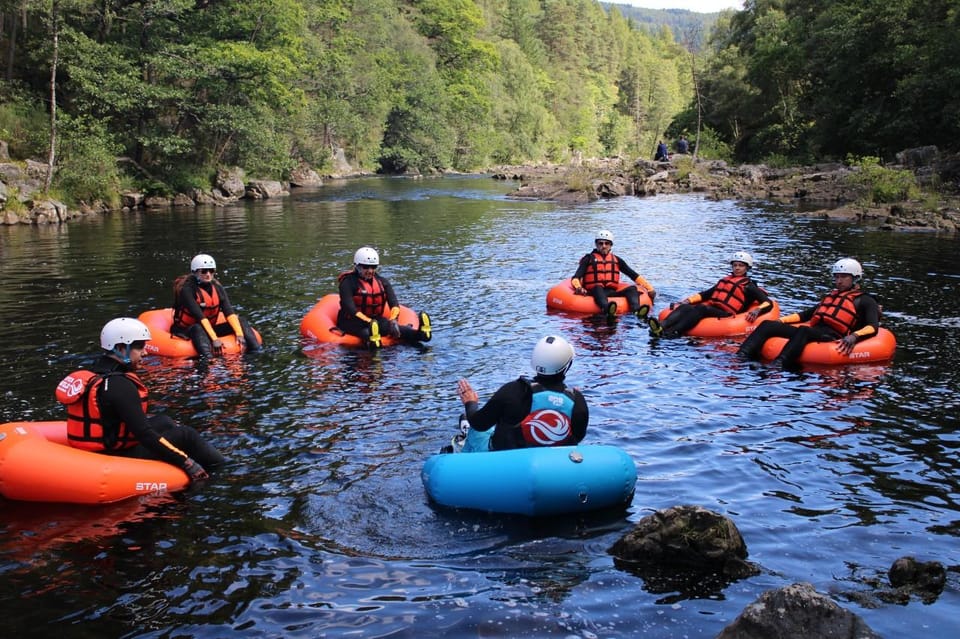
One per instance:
(823, 190)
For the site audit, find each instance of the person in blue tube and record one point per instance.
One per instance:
(524, 413)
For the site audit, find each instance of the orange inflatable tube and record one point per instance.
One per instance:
(727, 326)
(320, 323)
(879, 348)
(37, 464)
(162, 342)
(563, 298)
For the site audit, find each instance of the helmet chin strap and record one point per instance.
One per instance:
(124, 356)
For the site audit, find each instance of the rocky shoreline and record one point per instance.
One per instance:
(815, 191)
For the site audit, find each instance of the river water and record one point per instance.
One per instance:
(320, 527)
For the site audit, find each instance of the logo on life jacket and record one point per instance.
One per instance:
(71, 387)
(546, 428)
(550, 421)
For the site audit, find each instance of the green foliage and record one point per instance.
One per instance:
(87, 167)
(13, 203)
(179, 88)
(880, 184)
(710, 146)
(683, 165)
(23, 122)
(777, 161)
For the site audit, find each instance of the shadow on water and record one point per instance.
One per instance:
(319, 525)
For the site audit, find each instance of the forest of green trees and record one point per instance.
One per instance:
(156, 94)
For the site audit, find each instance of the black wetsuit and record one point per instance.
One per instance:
(186, 301)
(685, 316)
(868, 315)
(348, 321)
(158, 436)
(511, 404)
(601, 294)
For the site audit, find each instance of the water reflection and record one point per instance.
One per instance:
(319, 524)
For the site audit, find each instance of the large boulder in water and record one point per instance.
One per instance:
(796, 612)
(686, 548)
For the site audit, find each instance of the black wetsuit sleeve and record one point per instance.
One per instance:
(122, 397)
(806, 314)
(348, 287)
(225, 306)
(756, 294)
(582, 267)
(388, 290)
(868, 314)
(581, 416)
(707, 294)
(507, 400)
(626, 270)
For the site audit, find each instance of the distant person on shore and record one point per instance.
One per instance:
(683, 146)
(731, 295)
(661, 155)
(107, 404)
(364, 296)
(199, 299)
(598, 275)
(525, 413)
(846, 315)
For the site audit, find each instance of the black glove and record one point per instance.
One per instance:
(194, 470)
(217, 347)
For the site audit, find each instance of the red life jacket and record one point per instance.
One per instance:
(370, 296)
(730, 294)
(209, 303)
(85, 430)
(602, 271)
(550, 422)
(838, 311)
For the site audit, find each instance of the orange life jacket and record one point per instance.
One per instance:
(85, 427)
(730, 294)
(602, 271)
(370, 297)
(838, 311)
(209, 303)
(550, 422)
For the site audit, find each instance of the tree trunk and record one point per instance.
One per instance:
(55, 31)
(696, 90)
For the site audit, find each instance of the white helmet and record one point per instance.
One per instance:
(366, 256)
(202, 261)
(848, 266)
(123, 330)
(552, 355)
(603, 234)
(742, 256)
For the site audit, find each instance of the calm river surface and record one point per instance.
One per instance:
(320, 527)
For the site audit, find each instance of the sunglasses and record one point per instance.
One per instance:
(204, 271)
(604, 242)
(368, 267)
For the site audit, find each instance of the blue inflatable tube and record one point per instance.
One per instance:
(533, 481)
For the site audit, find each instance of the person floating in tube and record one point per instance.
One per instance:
(524, 413)
(364, 298)
(199, 299)
(733, 294)
(107, 408)
(598, 275)
(846, 315)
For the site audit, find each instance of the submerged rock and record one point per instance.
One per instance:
(796, 612)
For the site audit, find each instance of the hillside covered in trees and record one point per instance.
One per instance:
(158, 94)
